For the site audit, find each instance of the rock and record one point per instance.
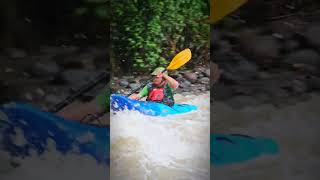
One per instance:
(225, 46)
(313, 36)
(263, 49)
(175, 75)
(207, 72)
(220, 92)
(313, 83)
(50, 49)
(200, 75)
(204, 80)
(306, 56)
(305, 68)
(291, 45)
(78, 77)
(299, 86)
(8, 70)
(28, 96)
(242, 101)
(47, 68)
(52, 99)
(265, 75)
(40, 92)
(124, 83)
(190, 76)
(134, 86)
(70, 49)
(185, 83)
(199, 69)
(16, 53)
(215, 75)
(239, 71)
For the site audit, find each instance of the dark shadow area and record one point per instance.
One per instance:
(266, 81)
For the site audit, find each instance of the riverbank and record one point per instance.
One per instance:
(46, 77)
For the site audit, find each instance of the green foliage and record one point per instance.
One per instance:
(97, 7)
(148, 33)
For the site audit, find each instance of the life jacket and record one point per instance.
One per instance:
(160, 95)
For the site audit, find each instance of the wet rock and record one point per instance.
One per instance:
(207, 72)
(184, 83)
(50, 49)
(225, 46)
(204, 80)
(53, 99)
(263, 49)
(299, 86)
(190, 76)
(313, 36)
(124, 83)
(28, 96)
(239, 71)
(220, 92)
(199, 69)
(291, 45)
(46, 68)
(305, 68)
(8, 70)
(243, 101)
(306, 56)
(40, 92)
(16, 53)
(70, 49)
(134, 86)
(215, 75)
(175, 75)
(313, 83)
(78, 77)
(265, 75)
(200, 75)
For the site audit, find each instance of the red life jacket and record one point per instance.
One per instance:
(156, 94)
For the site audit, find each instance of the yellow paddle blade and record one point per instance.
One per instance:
(180, 59)
(221, 8)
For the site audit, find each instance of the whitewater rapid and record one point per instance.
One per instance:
(162, 148)
(295, 128)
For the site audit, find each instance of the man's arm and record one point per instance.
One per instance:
(142, 93)
(172, 82)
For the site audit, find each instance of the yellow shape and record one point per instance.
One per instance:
(180, 59)
(221, 8)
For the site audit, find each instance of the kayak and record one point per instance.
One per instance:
(235, 148)
(120, 103)
(37, 127)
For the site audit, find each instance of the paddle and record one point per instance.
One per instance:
(221, 8)
(179, 60)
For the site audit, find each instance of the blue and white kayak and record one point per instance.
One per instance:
(36, 127)
(120, 103)
(236, 148)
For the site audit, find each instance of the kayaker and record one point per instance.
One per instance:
(160, 90)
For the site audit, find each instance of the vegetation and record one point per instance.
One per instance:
(149, 33)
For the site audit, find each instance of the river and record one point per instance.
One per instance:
(175, 147)
(295, 128)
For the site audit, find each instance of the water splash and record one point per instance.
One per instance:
(145, 147)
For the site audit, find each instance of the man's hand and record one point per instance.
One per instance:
(172, 82)
(135, 96)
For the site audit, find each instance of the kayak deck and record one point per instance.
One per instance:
(120, 103)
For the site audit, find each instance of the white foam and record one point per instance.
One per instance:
(146, 147)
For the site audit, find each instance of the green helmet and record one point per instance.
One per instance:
(159, 70)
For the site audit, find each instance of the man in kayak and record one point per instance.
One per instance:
(161, 89)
